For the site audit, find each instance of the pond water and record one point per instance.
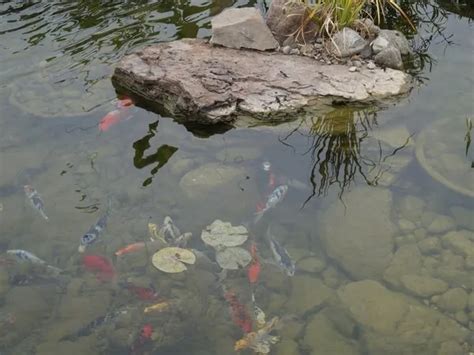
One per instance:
(384, 250)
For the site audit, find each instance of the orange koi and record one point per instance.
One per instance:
(130, 248)
(253, 272)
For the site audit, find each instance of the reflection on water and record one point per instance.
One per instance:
(383, 250)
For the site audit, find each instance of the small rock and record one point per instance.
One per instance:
(389, 57)
(429, 246)
(347, 42)
(311, 264)
(379, 44)
(459, 242)
(412, 207)
(295, 51)
(419, 234)
(242, 28)
(353, 69)
(405, 225)
(286, 49)
(397, 40)
(366, 53)
(357, 63)
(463, 217)
(441, 224)
(453, 300)
(423, 286)
(371, 66)
(462, 317)
(406, 261)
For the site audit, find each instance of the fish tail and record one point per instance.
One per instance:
(258, 216)
(43, 214)
(54, 269)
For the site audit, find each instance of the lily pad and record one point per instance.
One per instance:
(172, 259)
(223, 234)
(233, 258)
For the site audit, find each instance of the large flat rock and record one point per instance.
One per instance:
(197, 82)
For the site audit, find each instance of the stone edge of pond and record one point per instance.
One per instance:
(200, 83)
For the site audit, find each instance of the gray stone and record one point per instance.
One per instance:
(397, 40)
(394, 323)
(462, 317)
(463, 217)
(423, 286)
(353, 69)
(307, 294)
(453, 300)
(196, 82)
(429, 246)
(209, 177)
(460, 242)
(347, 42)
(242, 28)
(311, 264)
(284, 19)
(361, 242)
(441, 224)
(371, 65)
(451, 348)
(406, 261)
(406, 225)
(366, 27)
(379, 44)
(286, 49)
(295, 51)
(321, 337)
(389, 58)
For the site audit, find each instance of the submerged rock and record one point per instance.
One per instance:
(307, 293)
(394, 323)
(242, 28)
(423, 286)
(406, 261)
(396, 39)
(197, 82)
(362, 241)
(453, 300)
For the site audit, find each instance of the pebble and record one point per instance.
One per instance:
(353, 69)
(371, 65)
(295, 51)
(328, 62)
(357, 63)
(286, 49)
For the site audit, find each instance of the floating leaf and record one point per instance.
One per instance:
(172, 259)
(223, 234)
(233, 258)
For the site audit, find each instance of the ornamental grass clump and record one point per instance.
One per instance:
(333, 15)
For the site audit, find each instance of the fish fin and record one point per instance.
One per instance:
(258, 216)
(43, 214)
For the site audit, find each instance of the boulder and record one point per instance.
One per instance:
(394, 323)
(379, 44)
(290, 18)
(242, 28)
(196, 82)
(362, 241)
(347, 42)
(423, 286)
(389, 57)
(396, 39)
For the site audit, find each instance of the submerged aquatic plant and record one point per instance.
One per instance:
(467, 137)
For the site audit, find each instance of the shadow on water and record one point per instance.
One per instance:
(161, 156)
(342, 149)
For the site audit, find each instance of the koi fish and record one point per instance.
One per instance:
(158, 307)
(143, 293)
(275, 197)
(99, 265)
(169, 230)
(240, 315)
(259, 314)
(93, 233)
(112, 118)
(26, 256)
(143, 340)
(253, 272)
(281, 255)
(130, 248)
(125, 102)
(35, 200)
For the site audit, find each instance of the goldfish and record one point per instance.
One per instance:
(26, 256)
(240, 315)
(261, 340)
(130, 248)
(253, 272)
(273, 199)
(112, 118)
(281, 255)
(158, 307)
(35, 200)
(93, 233)
(99, 265)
